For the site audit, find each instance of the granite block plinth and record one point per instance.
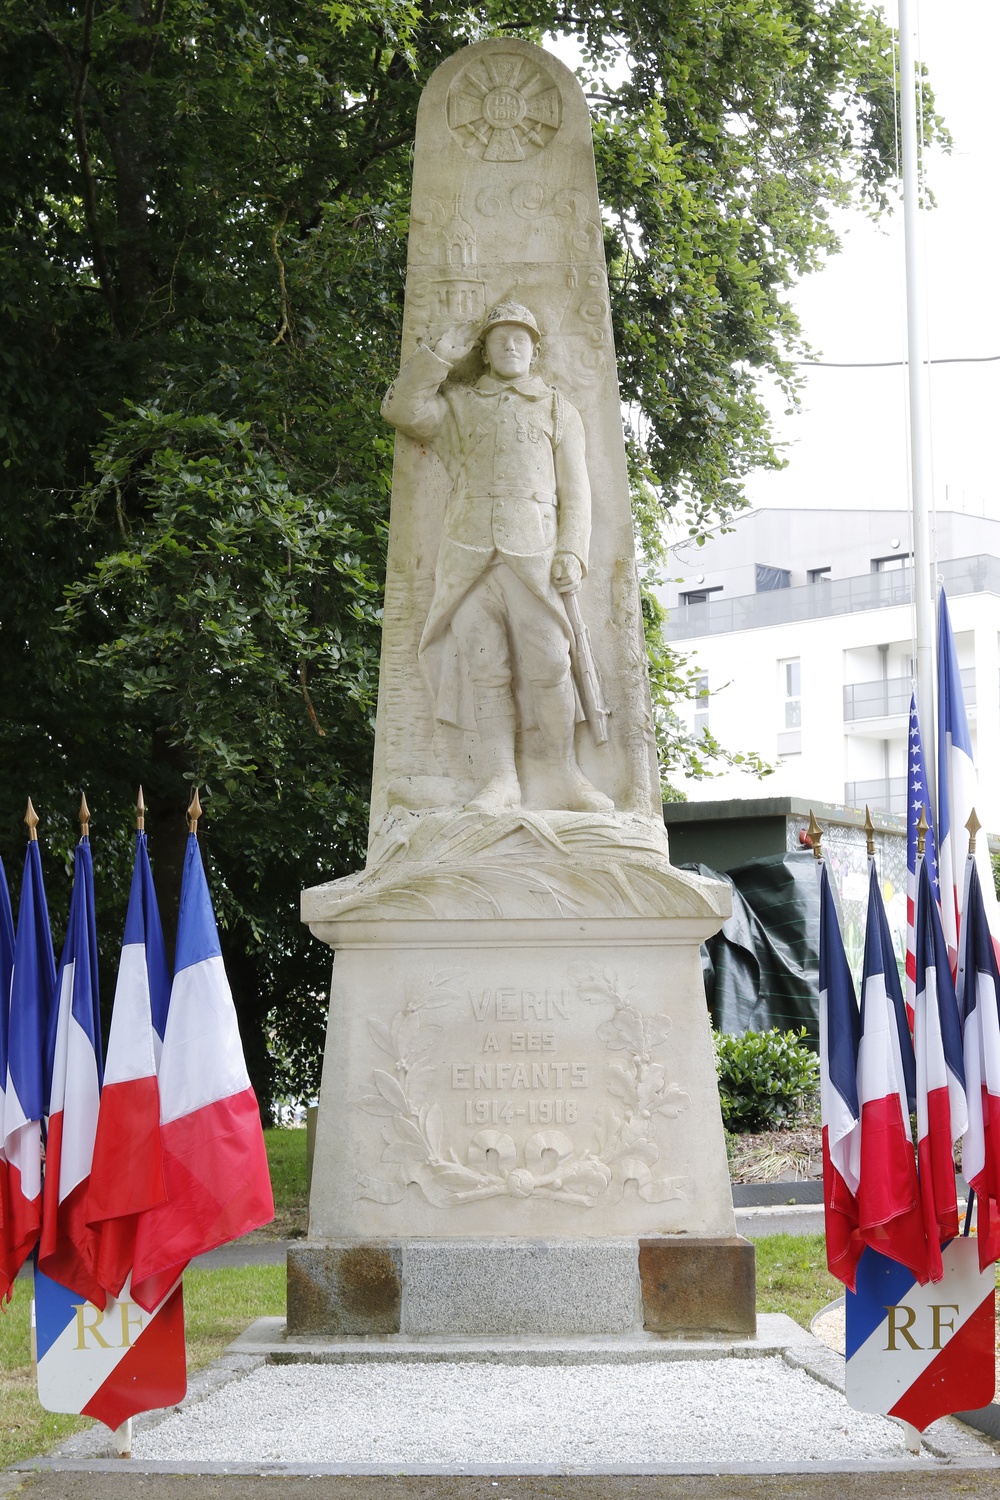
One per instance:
(693, 1286)
(346, 1288)
(522, 1288)
(533, 1288)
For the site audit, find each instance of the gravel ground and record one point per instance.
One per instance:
(728, 1410)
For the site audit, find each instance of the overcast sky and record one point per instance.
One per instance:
(848, 443)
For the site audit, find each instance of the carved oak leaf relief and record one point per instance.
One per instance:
(552, 1164)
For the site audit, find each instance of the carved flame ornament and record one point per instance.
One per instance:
(504, 108)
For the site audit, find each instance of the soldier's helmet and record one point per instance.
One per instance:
(511, 312)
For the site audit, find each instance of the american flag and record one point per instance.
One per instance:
(917, 798)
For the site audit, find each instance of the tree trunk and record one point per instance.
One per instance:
(252, 1007)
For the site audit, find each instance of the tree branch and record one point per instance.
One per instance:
(284, 326)
(78, 82)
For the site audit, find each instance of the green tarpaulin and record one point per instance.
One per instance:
(762, 969)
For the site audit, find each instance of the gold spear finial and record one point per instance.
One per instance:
(869, 832)
(973, 825)
(816, 835)
(922, 829)
(31, 818)
(84, 816)
(194, 812)
(140, 813)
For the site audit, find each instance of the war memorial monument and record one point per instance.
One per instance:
(519, 1130)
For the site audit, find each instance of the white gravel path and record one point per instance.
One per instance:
(706, 1411)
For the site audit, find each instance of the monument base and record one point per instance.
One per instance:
(683, 1286)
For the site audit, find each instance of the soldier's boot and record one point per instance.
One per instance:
(555, 709)
(497, 726)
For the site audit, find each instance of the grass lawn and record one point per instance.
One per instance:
(286, 1156)
(792, 1277)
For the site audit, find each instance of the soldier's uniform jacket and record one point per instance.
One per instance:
(515, 452)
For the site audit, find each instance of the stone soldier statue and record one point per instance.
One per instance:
(515, 539)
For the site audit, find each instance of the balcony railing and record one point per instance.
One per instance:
(884, 794)
(837, 596)
(887, 696)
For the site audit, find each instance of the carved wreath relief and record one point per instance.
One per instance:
(518, 1119)
(504, 108)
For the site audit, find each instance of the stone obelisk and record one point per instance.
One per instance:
(519, 1128)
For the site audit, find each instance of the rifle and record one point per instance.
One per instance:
(585, 671)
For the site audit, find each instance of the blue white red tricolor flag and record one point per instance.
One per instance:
(108, 1363)
(917, 1353)
(6, 968)
(917, 800)
(32, 991)
(979, 1006)
(214, 1163)
(839, 1035)
(957, 792)
(67, 1248)
(942, 1115)
(889, 1212)
(127, 1175)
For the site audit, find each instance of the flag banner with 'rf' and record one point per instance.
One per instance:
(112, 1363)
(921, 1352)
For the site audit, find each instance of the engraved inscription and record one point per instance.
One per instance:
(534, 1081)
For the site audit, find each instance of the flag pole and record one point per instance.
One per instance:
(194, 812)
(815, 832)
(916, 367)
(973, 825)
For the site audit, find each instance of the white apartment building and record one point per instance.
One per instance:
(800, 623)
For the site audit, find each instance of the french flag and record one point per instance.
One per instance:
(67, 1248)
(942, 1116)
(918, 800)
(32, 991)
(839, 1035)
(6, 969)
(957, 794)
(126, 1179)
(979, 1006)
(889, 1211)
(214, 1162)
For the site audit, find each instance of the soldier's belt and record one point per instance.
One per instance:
(515, 492)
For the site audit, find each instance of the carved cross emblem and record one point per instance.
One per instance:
(504, 109)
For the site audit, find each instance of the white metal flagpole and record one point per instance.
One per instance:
(920, 475)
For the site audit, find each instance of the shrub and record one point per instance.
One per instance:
(764, 1078)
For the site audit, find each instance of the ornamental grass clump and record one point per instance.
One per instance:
(765, 1078)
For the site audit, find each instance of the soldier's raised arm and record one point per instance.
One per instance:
(412, 402)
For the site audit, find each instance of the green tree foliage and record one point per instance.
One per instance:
(203, 212)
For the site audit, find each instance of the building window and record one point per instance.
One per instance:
(891, 564)
(702, 595)
(819, 575)
(769, 578)
(791, 683)
(701, 703)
